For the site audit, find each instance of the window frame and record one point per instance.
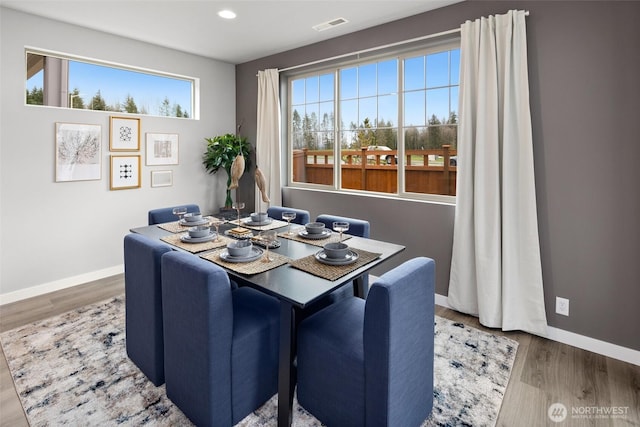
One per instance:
(401, 55)
(194, 92)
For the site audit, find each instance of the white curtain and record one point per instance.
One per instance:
(496, 271)
(268, 136)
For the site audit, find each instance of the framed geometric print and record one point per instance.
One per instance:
(125, 172)
(125, 134)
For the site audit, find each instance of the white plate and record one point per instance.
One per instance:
(188, 239)
(314, 236)
(257, 224)
(193, 223)
(349, 259)
(255, 254)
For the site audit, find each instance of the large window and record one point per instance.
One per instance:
(64, 81)
(390, 125)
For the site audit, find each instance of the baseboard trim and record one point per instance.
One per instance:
(580, 341)
(57, 285)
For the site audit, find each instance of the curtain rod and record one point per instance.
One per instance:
(359, 52)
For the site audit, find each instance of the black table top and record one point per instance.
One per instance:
(286, 282)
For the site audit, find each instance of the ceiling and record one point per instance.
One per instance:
(262, 27)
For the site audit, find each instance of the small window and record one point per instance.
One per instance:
(69, 82)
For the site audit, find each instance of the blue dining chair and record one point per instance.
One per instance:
(302, 216)
(143, 304)
(370, 363)
(357, 227)
(221, 345)
(162, 215)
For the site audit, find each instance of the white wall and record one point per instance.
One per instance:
(53, 235)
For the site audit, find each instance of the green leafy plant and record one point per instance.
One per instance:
(221, 151)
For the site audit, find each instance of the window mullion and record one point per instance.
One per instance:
(400, 148)
(337, 145)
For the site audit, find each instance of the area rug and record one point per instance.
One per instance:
(72, 369)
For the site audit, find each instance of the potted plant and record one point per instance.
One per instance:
(221, 152)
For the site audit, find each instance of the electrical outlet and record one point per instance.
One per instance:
(562, 306)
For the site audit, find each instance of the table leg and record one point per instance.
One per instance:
(286, 370)
(358, 287)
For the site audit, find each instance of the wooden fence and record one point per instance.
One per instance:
(426, 171)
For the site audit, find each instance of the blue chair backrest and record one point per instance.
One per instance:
(143, 302)
(162, 215)
(398, 343)
(202, 288)
(357, 227)
(302, 216)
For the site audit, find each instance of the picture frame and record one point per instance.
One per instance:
(163, 178)
(124, 134)
(162, 149)
(125, 172)
(78, 152)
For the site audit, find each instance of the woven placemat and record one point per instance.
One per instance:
(176, 227)
(334, 237)
(271, 226)
(174, 240)
(332, 272)
(253, 267)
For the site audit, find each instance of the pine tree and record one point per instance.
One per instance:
(36, 96)
(98, 102)
(165, 108)
(130, 105)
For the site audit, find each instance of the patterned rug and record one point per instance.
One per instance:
(72, 369)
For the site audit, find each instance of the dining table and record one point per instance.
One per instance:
(295, 276)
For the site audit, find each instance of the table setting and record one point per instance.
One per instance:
(242, 256)
(336, 258)
(188, 220)
(313, 233)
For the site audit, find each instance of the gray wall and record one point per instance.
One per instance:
(584, 63)
(55, 234)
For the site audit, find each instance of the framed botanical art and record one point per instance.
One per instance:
(124, 134)
(78, 152)
(125, 172)
(162, 149)
(162, 178)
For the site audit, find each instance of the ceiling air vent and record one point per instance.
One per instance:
(330, 24)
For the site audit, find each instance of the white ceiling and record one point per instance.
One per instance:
(262, 27)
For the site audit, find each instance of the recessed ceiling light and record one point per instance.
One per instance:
(226, 14)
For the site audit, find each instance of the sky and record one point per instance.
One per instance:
(370, 91)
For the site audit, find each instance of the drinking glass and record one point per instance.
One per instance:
(180, 211)
(216, 222)
(288, 216)
(340, 226)
(268, 237)
(238, 206)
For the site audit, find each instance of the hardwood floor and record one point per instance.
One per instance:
(545, 372)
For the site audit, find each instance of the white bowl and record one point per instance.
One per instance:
(239, 248)
(199, 231)
(259, 216)
(193, 217)
(336, 250)
(314, 227)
